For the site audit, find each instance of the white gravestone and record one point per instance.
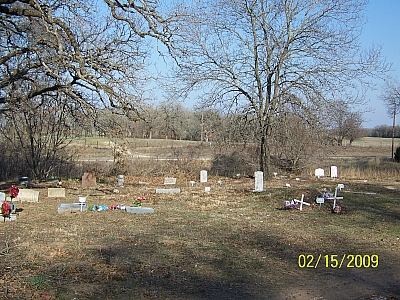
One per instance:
(259, 181)
(27, 195)
(69, 207)
(203, 176)
(56, 192)
(333, 172)
(168, 191)
(319, 172)
(2, 197)
(139, 210)
(192, 182)
(169, 180)
(121, 180)
(207, 189)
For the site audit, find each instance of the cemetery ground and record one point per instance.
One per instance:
(231, 243)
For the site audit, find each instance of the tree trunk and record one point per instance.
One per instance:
(265, 162)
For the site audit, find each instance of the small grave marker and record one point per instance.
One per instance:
(220, 182)
(301, 202)
(2, 197)
(203, 176)
(319, 172)
(320, 201)
(258, 181)
(191, 182)
(168, 191)
(55, 192)
(334, 172)
(65, 207)
(27, 195)
(207, 189)
(139, 210)
(120, 180)
(81, 201)
(169, 181)
(89, 180)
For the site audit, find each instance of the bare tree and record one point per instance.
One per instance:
(391, 98)
(264, 55)
(343, 122)
(36, 135)
(92, 54)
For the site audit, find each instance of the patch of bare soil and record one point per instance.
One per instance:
(230, 243)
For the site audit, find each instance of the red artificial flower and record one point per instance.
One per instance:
(14, 190)
(5, 209)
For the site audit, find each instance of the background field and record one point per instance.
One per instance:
(228, 244)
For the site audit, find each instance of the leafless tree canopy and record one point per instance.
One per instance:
(92, 53)
(265, 55)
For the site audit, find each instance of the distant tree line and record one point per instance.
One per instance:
(384, 131)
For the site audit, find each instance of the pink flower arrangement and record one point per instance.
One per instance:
(137, 201)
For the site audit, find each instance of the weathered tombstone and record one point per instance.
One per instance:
(27, 195)
(207, 189)
(334, 172)
(65, 207)
(319, 172)
(169, 181)
(55, 192)
(120, 180)
(139, 210)
(259, 181)
(203, 176)
(168, 191)
(89, 180)
(192, 182)
(2, 197)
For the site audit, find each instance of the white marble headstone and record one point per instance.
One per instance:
(333, 172)
(259, 181)
(2, 197)
(170, 180)
(203, 176)
(319, 172)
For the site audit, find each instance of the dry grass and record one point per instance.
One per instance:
(229, 244)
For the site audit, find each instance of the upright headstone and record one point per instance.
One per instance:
(319, 172)
(120, 180)
(259, 181)
(203, 176)
(56, 192)
(89, 180)
(169, 181)
(27, 195)
(333, 172)
(2, 197)
(207, 189)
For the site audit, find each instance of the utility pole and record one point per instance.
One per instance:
(393, 127)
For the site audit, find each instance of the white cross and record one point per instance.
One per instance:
(301, 202)
(334, 198)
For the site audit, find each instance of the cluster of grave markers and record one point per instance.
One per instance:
(89, 180)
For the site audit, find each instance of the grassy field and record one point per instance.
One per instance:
(229, 244)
